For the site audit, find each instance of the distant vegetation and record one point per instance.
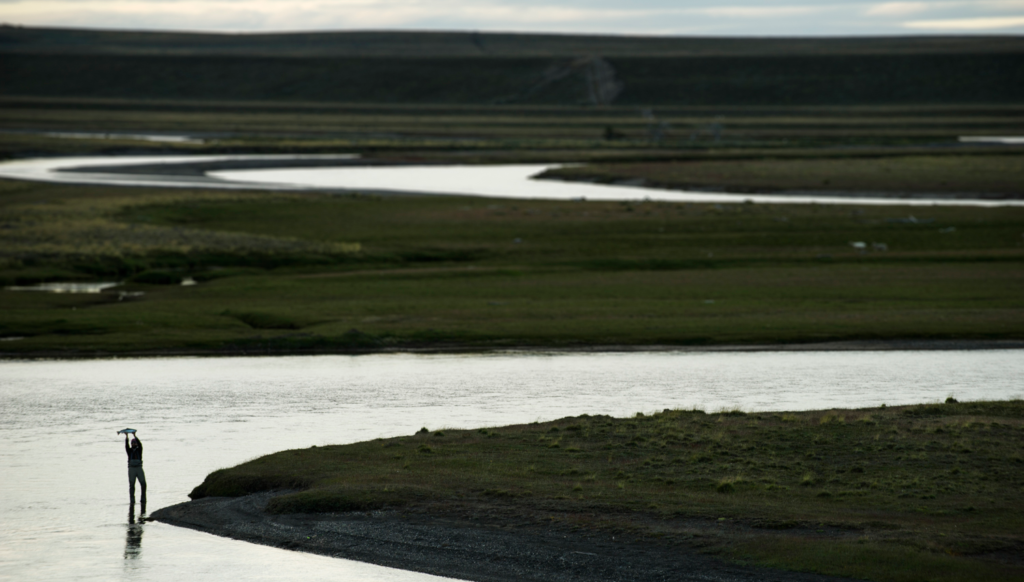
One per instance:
(642, 81)
(501, 97)
(17, 39)
(491, 69)
(506, 133)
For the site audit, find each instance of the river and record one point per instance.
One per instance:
(63, 502)
(514, 181)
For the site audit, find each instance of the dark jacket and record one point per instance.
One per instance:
(134, 455)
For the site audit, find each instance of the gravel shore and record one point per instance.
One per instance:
(456, 548)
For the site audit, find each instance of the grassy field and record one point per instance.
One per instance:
(890, 494)
(311, 272)
(555, 133)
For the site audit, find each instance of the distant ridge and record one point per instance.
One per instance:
(467, 68)
(14, 39)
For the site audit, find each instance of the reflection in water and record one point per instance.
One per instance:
(133, 537)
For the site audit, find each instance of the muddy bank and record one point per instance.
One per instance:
(494, 548)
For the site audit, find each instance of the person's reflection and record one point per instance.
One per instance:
(133, 538)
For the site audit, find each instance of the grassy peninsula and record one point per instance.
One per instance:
(927, 492)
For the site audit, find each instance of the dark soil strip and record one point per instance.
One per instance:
(454, 548)
(836, 346)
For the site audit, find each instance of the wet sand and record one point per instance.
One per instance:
(481, 543)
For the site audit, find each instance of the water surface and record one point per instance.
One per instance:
(514, 181)
(61, 287)
(63, 502)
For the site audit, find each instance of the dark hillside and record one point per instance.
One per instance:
(471, 44)
(493, 69)
(667, 81)
(823, 80)
(389, 80)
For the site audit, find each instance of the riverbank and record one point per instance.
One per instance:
(887, 494)
(836, 346)
(479, 543)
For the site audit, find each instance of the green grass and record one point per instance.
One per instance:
(462, 132)
(929, 492)
(867, 560)
(292, 273)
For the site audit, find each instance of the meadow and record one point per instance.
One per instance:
(295, 273)
(551, 133)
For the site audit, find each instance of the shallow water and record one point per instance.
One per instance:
(152, 137)
(997, 139)
(67, 170)
(63, 502)
(159, 138)
(65, 287)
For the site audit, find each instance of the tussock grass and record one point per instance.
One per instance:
(932, 485)
(88, 227)
(870, 560)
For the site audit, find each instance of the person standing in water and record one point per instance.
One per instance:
(135, 467)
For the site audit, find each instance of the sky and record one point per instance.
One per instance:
(643, 17)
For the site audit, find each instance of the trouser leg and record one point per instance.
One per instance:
(142, 483)
(131, 484)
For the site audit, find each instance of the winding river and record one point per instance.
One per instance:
(278, 172)
(62, 499)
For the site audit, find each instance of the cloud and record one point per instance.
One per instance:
(757, 11)
(897, 8)
(308, 14)
(986, 23)
(703, 17)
